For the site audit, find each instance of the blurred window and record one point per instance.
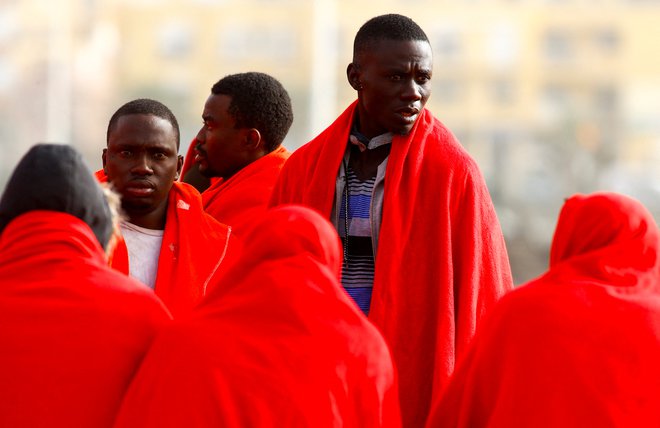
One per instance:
(447, 90)
(557, 45)
(607, 40)
(246, 42)
(554, 102)
(606, 100)
(503, 92)
(447, 44)
(175, 39)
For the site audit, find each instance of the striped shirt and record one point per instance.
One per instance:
(365, 202)
(358, 273)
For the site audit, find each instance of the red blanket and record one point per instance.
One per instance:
(73, 331)
(441, 260)
(278, 345)
(242, 200)
(194, 246)
(189, 158)
(579, 346)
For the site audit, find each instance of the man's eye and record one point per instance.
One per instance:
(125, 153)
(423, 79)
(395, 77)
(160, 156)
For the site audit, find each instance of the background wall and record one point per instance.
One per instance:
(550, 97)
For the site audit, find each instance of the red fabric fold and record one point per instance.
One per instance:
(578, 346)
(279, 344)
(188, 159)
(193, 249)
(441, 260)
(242, 200)
(73, 331)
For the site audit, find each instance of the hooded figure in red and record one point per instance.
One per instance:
(73, 330)
(278, 344)
(578, 346)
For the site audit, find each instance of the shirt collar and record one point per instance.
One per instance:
(364, 142)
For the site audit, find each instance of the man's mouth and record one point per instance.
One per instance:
(200, 155)
(139, 188)
(409, 114)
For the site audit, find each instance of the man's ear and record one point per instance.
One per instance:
(353, 75)
(103, 159)
(253, 140)
(179, 165)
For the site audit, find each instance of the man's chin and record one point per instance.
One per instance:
(404, 129)
(206, 172)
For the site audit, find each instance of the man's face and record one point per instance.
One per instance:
(221, 150)
(395, 82)
(142, 162)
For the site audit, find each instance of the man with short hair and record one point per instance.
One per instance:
(170, 243)
(246, 118)
(424, 255)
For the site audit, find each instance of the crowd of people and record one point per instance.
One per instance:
(360, 281)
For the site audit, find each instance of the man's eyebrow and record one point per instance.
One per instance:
(125, 145)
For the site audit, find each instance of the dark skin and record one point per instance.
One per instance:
(222, 148)
(142, 163)
(393, 80)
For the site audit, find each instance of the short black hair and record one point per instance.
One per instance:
(387, 27)
(258, 101)
(145, 106)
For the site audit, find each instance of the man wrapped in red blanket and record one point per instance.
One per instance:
(246, 118)
(579, 346)
(73, 330)
(169, 242)
(424, 255)
(279, 344)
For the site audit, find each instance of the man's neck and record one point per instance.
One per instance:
(154, 220)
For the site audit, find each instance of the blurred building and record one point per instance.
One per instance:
(550, 97)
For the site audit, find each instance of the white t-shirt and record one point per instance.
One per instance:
(143, 251)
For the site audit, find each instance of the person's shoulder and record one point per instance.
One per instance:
(537, 302)
(306, 151)
(314, 147)
(443, 138)
(441, 149)
(124, 295)
(189, 200)
(186, 192)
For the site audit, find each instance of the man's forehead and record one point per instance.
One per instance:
(216, 102)
(142, 143)
(388, 49)
(139, 119)
(135, 136)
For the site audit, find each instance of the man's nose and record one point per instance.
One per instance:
(412, 90)
(142, 166)
(200, 138)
